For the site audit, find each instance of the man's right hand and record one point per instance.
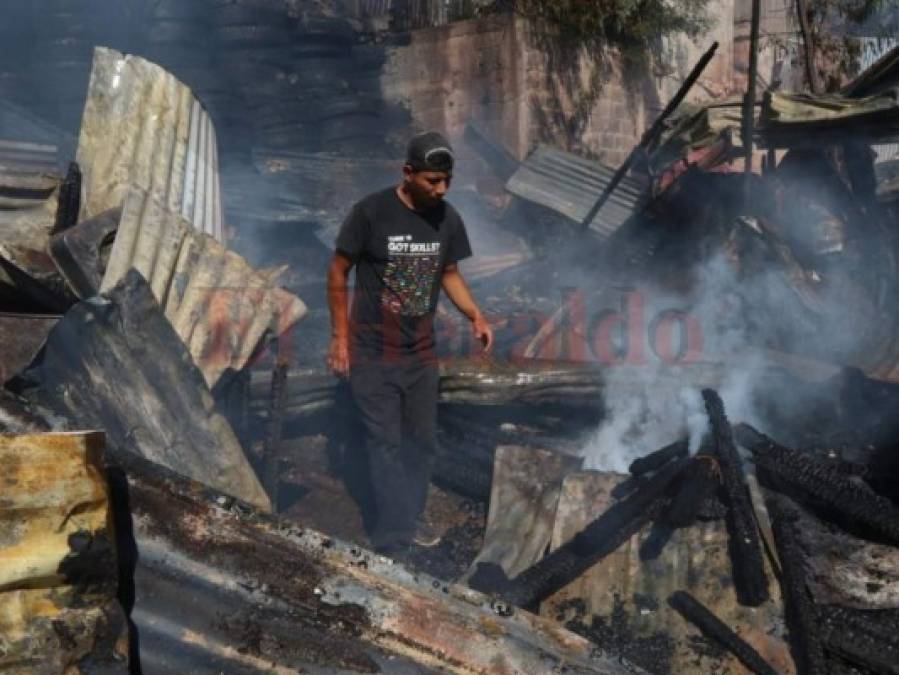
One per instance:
(339, 356)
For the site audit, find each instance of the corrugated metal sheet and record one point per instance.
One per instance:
(221, 589)
(219, 305)
(26, 141)
(695, 559)
(33, 156)
(114, 362)
(879, 62)
(143, 127)
(570, 185)
(58, 573)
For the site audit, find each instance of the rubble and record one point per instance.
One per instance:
(215, 582)
(220, 306)
(28, 278)
(81, 251)
(711, 626)
(597, 540)
(114, 362)
(821, 482)
(808, 652)
(160, 345)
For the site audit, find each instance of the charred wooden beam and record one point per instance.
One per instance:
(699, 485)
(274, 426)
(600, 538)
(714, 629)
(626, 487)
(743, 538)
(656, 460)
(469, 478)
(801, 615)
(864, 638)
(823, 482)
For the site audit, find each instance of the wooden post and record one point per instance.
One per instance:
(749, 99)
(808, 42)
(650, 134)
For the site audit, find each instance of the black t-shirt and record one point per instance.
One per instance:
(399, 256)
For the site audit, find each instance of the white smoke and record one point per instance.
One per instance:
(653, 405)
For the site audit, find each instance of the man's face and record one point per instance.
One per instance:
(426, 188)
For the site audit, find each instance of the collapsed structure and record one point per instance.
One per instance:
(147, 546)
(138, 320)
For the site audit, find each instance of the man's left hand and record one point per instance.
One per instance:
(482, 331)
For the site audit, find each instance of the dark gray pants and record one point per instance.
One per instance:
(397, 401)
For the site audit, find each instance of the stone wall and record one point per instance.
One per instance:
(509, 77)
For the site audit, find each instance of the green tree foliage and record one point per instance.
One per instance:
(630, 25)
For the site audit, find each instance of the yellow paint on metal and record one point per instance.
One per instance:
(52, 487)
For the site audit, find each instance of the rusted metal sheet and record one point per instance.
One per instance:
(143, 127)
(58, 574)
(219, 588)
(695, 559)
(219, 305)
(569, 184)
(523, 501)
(114, 362)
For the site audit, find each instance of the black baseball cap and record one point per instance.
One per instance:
(430, 152)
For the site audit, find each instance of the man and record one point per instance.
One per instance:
(405, 243)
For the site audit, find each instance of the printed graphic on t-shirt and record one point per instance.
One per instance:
(409, 275)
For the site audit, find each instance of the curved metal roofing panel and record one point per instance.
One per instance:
(218, 304)
(143, 127)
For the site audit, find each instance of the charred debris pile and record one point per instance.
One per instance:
(771, 514)
(127, 312)
(151, 546)
(790, 546)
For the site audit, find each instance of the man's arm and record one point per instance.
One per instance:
(339, 350)
(457, 290)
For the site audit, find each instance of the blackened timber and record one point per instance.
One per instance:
(863, 637)
(743, 539)
(714, 629)
(69, 203)
(823, 482)
(802, 619)
(273, 431)
(626, 487)
(600, 538)
(699, 484)
(655, 460)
